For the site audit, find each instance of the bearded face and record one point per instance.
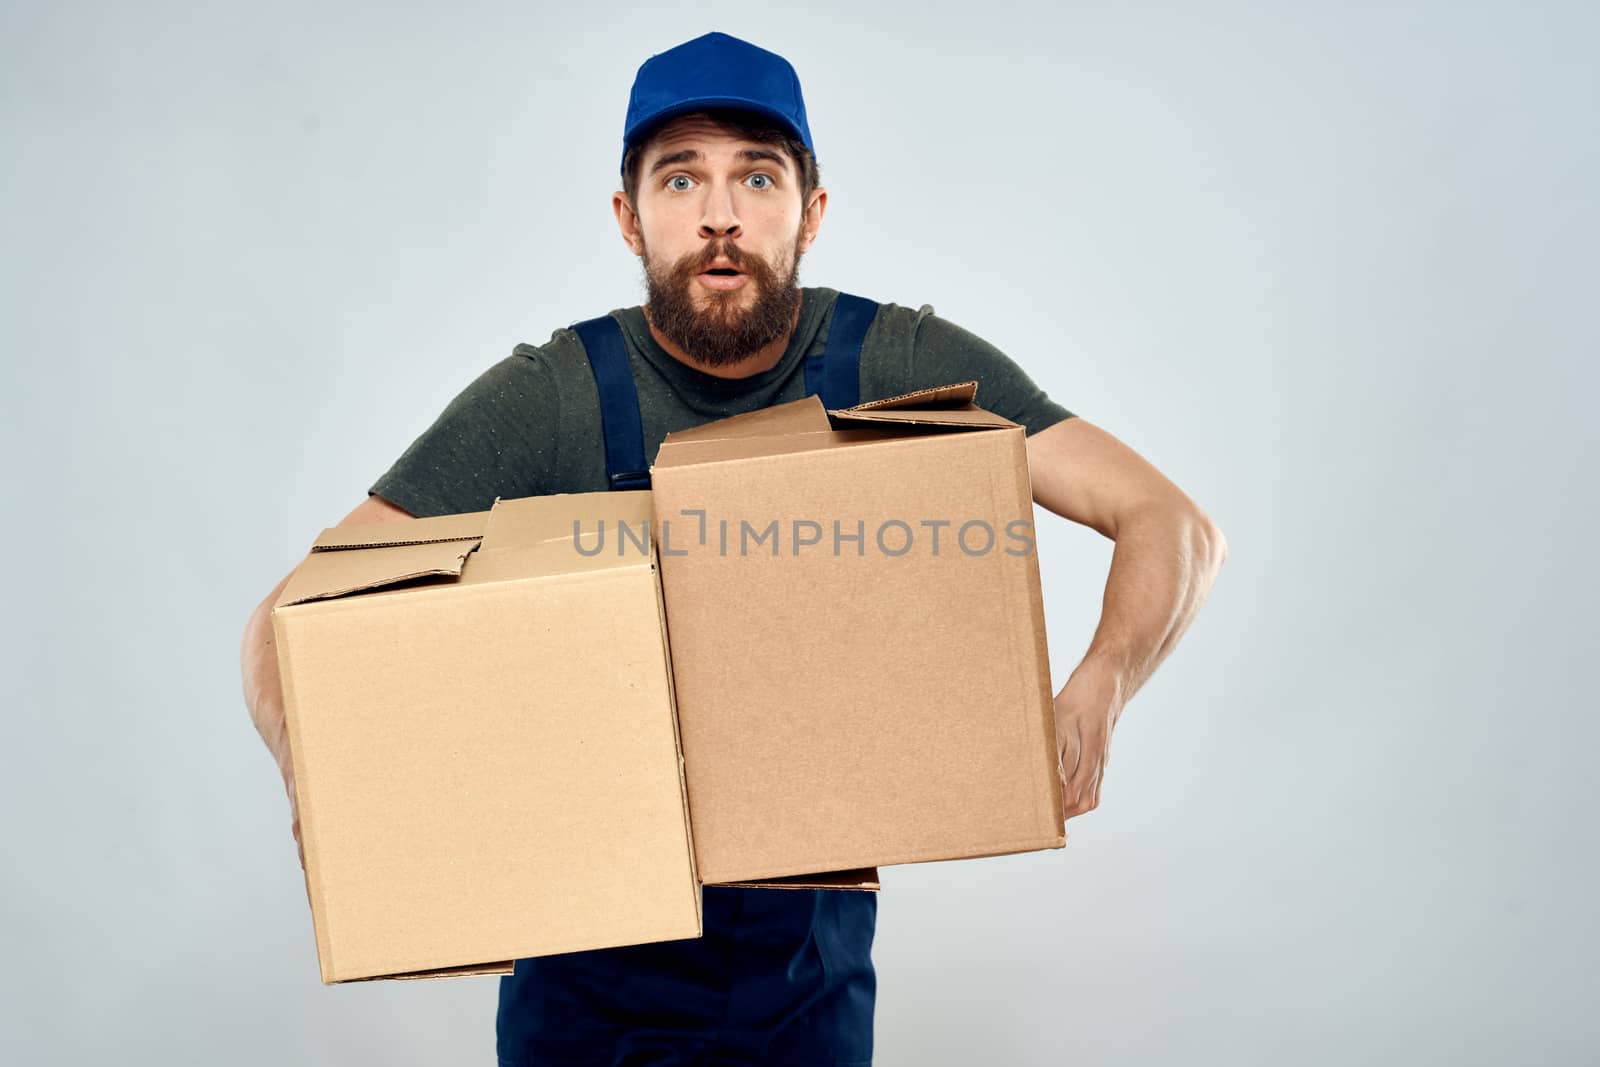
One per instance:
(719, 328)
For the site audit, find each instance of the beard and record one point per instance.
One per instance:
(720, 333)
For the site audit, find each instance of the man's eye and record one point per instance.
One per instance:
(679, 182)
(760, 181)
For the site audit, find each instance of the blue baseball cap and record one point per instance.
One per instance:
(713, 71)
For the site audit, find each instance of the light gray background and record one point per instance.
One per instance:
(1326, 266)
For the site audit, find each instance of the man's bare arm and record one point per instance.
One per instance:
(1167, 555)
(1168, 551)
(258, 661)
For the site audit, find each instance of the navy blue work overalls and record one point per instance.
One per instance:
(781, 976)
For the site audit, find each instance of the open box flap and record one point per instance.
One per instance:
(805, 415)
(946, 406)
(370, 555)
(953, 395)
(346, 570)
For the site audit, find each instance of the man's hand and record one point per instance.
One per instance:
(263, 695)
(1087, 710)
(294, 814)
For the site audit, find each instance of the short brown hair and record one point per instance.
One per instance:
(745, 124)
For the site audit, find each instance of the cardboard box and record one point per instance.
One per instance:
(486, 755)
(866, 693)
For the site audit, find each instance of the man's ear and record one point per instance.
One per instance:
(812, 221)
(628, 223)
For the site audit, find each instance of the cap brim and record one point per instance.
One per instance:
(652, 122)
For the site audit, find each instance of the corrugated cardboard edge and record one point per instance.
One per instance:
(956, 393)
(970, 417)
(460, 526)
(864, 878)
(677, 737)
(291, 716)
(1050, 768)
(948, 407)
(488, 970)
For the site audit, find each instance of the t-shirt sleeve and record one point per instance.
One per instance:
(498, 437)
(925, 350)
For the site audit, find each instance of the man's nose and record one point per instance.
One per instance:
(719, 218)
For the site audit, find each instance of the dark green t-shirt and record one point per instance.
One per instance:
(530, 424)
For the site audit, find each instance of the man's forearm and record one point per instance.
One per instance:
(1165, 561)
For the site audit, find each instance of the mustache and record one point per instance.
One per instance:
(722, 248)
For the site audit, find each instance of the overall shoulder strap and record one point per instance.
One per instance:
(619, 402)
(835, 375)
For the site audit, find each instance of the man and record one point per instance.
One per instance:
(721, 197)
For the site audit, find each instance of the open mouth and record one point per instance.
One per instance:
(723, 279)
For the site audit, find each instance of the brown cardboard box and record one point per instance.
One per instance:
(859, 694)
(486, 755)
